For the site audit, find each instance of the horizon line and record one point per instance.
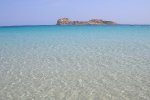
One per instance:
(70, 25)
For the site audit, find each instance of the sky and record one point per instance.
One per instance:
(46, 12)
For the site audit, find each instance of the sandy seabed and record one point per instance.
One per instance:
(69, 67)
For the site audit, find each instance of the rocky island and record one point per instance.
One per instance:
(67, 21)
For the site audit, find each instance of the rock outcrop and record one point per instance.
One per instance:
(67, 21)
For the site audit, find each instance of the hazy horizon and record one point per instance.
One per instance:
(46, 12)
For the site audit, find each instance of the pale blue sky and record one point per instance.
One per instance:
(46, 12)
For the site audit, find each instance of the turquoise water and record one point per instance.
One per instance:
(75, 63)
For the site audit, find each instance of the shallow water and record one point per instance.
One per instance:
(75, 63)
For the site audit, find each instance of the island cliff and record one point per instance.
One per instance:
(67, 21)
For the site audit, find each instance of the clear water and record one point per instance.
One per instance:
(75, 63)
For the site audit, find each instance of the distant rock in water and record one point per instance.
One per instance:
(67, 21)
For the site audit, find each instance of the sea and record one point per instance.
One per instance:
(106, 62)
